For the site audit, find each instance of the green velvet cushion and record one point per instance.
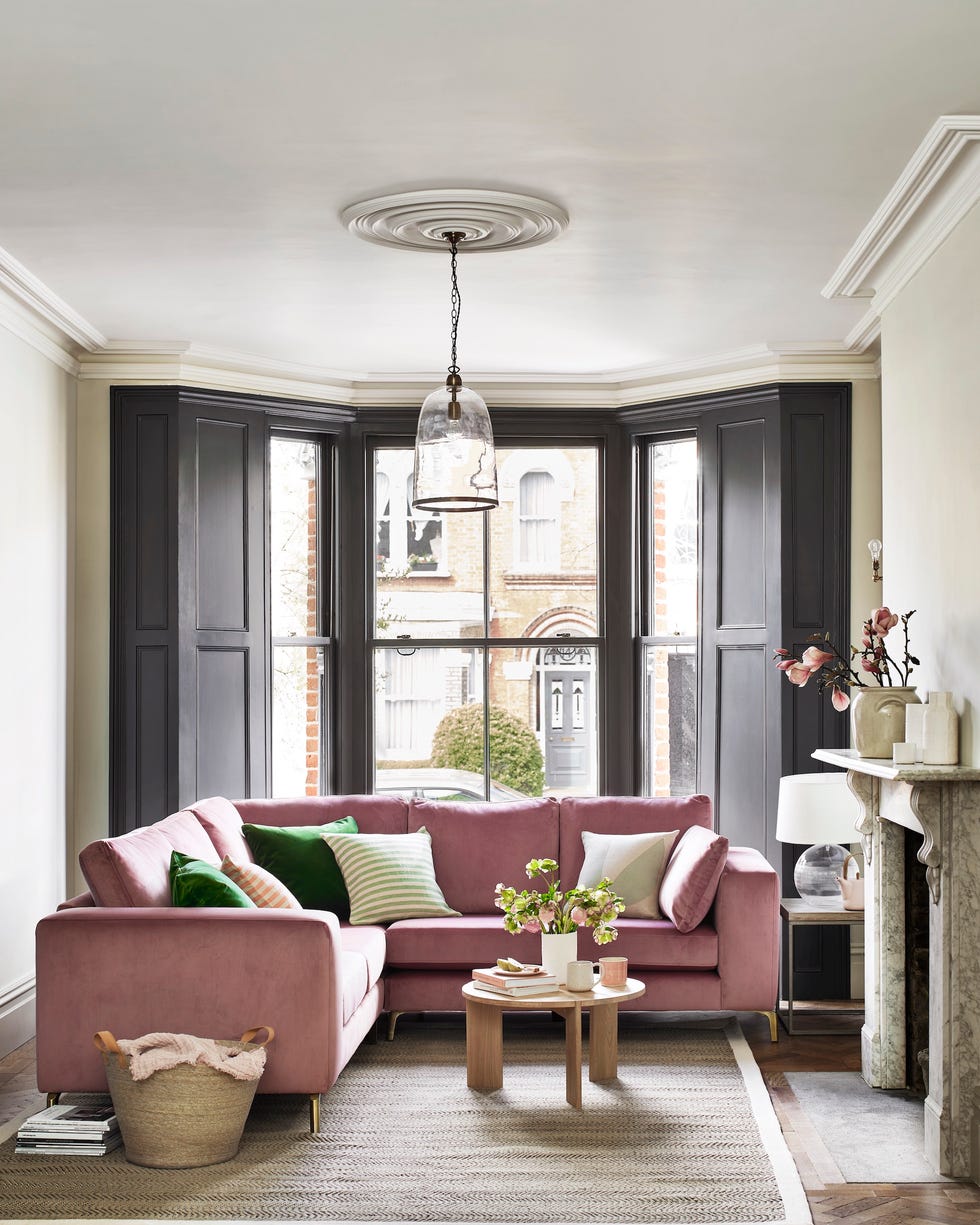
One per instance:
(298, 856)
(196, 883)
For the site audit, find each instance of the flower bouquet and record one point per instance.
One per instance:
(554, 911)
(831, 670)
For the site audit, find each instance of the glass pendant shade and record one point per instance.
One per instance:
(455, 461)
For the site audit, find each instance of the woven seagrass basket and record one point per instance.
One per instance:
(181, 1117)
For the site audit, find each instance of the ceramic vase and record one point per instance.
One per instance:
(878, 717)
(557, 951)
(940, 731)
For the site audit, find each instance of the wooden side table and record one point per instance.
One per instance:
(485, 1040)
(807, 912)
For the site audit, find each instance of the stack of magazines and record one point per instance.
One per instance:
(531, 980)
(90, 1131)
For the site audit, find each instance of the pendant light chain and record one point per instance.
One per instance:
(455, 299)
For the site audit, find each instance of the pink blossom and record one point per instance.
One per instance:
(781, 651)
(865, 640)
(799, 674)
(882, 620)
(579, 916)
(784, 665)
(814, 658)
(546, 914)
(532, 926)
(870, 665)
(840, 698)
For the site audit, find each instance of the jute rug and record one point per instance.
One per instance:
(685, 1136)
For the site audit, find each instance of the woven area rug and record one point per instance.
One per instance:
(685, 1136)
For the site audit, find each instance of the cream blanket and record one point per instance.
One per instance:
(157, 1052)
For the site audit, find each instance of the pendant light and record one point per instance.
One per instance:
(455, 463)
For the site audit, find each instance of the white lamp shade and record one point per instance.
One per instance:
(816, 809)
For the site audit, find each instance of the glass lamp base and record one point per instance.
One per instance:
(817, 869)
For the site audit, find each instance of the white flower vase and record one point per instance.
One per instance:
(557, 950)
(878, 717)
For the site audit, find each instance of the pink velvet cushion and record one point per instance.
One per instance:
(134, 869)
(222, 823)
(689, 883)
(475, 846)
(374, 814)
(622, 814)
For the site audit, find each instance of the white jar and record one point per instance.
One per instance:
(940, 731)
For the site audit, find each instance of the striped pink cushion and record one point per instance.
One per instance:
(259, 884)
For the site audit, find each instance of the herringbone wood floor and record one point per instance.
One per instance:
(832, 1201)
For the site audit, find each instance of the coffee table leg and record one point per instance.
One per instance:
(603, 1042)
(573, 1056)
(484, 1046)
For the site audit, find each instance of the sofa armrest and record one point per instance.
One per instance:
(747, 921)
(203, 971)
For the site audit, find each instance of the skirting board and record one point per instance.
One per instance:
(17, 1015)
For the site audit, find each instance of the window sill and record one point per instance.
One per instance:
(541, 578)
(414, 574)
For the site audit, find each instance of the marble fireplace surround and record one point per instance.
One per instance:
(943, 804)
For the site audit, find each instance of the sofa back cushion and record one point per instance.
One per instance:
(622, 814)
(134, 869)
(475, 846)
(222, 822)
(374, 814)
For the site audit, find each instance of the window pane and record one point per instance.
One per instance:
(429, 576)
(293, 537)
(543, 719)
(674, 537)
(670, 720)
(415, 691)
(297, 712)
(543, 543)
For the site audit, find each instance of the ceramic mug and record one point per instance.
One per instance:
(580, 976)
(612, 971)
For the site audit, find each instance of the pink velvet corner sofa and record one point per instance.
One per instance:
(121, 957)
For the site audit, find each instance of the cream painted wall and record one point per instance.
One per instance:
(931, 470)
(865, 499)
(36, 471)
(90, 818)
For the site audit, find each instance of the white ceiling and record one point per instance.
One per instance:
(175, 171)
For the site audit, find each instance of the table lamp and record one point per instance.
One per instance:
(818, 809)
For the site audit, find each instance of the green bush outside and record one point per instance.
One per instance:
(515, 755)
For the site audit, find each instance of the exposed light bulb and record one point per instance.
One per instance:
(874, 548)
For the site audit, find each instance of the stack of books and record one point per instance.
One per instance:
(90, 1131)
(515, 983)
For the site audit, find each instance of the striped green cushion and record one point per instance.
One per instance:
(389, 876)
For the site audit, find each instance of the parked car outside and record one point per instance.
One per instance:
(430, 783)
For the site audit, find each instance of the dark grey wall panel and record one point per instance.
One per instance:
(808, 489)
(222, 525)
(740, 788)
(152, 713)
(152, 521)
(222, 722)
(742, 524)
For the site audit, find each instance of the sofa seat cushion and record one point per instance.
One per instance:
(361, 961)
(656, 944)
(369, 944)
(457, 944)
(134, 869)
(475, 847)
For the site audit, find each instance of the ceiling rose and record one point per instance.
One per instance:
(485, 220)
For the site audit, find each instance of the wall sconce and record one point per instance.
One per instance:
(874, 548)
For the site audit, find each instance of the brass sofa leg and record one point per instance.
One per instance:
(54, 1099)
(314, 1113)
(392, 1022)
(773, 1027)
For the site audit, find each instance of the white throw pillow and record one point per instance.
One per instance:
(634, 863)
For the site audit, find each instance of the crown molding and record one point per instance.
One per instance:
(937, 188)
(44, 303)
(179, 362)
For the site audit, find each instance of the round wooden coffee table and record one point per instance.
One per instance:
(485, 1032)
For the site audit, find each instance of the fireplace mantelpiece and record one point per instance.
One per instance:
(943, 804)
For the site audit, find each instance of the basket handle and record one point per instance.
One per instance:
(107, 1044)
(249, 1035)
